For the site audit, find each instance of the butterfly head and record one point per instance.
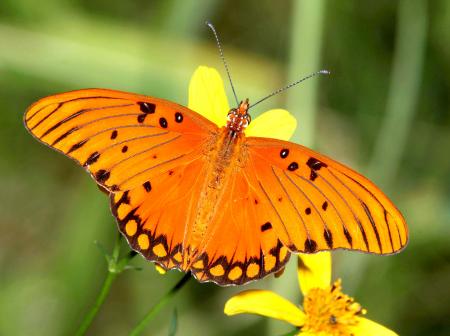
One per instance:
(238, 118)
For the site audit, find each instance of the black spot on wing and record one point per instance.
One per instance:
(102, 175)
(141, 118)
(91, 159)
(147, 108)
(163, 122)
(328, 238)
(266, 226)
(315, 164)
(147, 186)
(310, 245)
(178, 117)
(284, 153)
(293, 166)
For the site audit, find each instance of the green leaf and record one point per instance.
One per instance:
(173, 326)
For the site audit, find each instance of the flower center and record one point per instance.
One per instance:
(330, 312)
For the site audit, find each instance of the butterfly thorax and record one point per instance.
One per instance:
(238, 118)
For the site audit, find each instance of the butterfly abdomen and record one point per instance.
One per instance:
(222, 155)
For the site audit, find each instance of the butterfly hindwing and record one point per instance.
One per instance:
(154, 216)
(319, 204)
(122, 139)
(157, 218)
(240, 245)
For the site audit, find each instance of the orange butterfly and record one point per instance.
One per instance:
(190, 195)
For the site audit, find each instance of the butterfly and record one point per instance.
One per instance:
(190, 195)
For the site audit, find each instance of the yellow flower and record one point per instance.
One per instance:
(326, 310)
(207, 97)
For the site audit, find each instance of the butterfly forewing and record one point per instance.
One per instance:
(122, 139)
(319, 204)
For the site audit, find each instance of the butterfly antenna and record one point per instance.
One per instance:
(321, 72)
(210, 25)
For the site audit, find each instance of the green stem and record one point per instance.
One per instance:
(115, 267)
(305, 58)
(407, 67)
(406, 76)
(87, 321)
(159, 305)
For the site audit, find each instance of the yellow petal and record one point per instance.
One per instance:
(207, 95)
(265, 303)
(160, 269)
(366, 327)
(314, 271)
(278, 124)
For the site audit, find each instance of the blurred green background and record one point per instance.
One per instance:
(384, 111)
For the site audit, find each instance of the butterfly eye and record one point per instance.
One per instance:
(248, 117)
(232, 115)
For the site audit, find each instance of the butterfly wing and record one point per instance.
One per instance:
(122, 139)
(235, 249)
(154, 217)
(314, 203)
(239, 246)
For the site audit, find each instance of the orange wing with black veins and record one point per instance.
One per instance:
(122, 139)
(315, 203)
